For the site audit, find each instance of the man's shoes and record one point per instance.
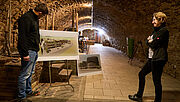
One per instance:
(23, 100)
(33, 93)
(135, 97)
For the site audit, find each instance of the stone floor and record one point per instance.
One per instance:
(117, 80)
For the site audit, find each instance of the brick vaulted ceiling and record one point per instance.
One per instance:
(115, 17)
(118, 18)
(121, 17)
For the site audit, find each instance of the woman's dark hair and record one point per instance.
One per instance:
(41, 7)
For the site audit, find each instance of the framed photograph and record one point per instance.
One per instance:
(89, 64)
(58, 45)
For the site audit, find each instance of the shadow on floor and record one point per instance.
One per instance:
(167, 96)
(67, 100)
(171, 96)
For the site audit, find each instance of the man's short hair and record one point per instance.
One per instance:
(41, 7)
(161, 17)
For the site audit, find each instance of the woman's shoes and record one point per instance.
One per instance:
(135, 97)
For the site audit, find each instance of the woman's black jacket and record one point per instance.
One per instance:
(159, 43)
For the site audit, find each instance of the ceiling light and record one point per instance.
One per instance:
(87, 5)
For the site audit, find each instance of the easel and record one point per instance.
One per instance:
(66, 56)
(50, 77)
(135, 50)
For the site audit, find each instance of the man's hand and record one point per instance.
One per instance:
(26, 58)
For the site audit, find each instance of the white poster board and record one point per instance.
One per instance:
(58, 45)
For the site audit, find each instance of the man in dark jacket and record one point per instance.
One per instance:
(157, 57)
(28, 47)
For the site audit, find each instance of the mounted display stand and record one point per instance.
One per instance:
(58, 46)
(50, 77)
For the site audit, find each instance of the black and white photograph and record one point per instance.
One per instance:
(89, 64)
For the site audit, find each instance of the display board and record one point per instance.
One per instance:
(58, 45)
(89, 64)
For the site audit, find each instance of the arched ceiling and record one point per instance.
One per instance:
(115, 17)
(110, 15)
(107, 15)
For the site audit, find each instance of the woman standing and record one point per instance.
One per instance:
(157, 57)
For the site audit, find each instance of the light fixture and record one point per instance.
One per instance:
(87, 5)
(85, 17)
